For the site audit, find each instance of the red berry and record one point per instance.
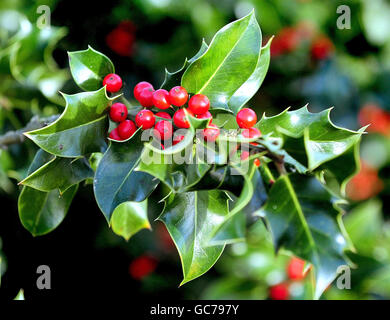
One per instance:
(126, 129)
(118, 112)
(163, 130)
(164, 115)
(113, 82)
(279, 292)
(206, 115)
(251, 133)
(322, 48)
(211, 133)
(115, 135)
(244, 155)
(178, 96)
(142, 267)
(146, 97)
(145, 118)
(246, 118)
(199, 104)
(180, 119)
(295, 269)
(257, 162)
(141, 86)
(161, 99)
(177, 139)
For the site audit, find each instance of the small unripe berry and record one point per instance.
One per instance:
(146, 97)
(161, 99)
(126, 129)
(163, 130)
(118, 112)
(199, 104)
(251, 133)
(113, 82)
(178, 96)
(141, 86)
(211, 133)
(115, 135)
(164, 115)
(246, 118)
(180, 119)
(145, 118)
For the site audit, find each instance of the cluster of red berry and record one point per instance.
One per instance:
(290, 39)
(197, 106)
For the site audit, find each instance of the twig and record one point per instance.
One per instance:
(15, 137)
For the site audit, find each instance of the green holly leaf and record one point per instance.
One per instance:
(130, 217)
(89, 67)
(250, 196)
(313, 141)
(249, 88)
(303, 218)
(176, 166)
(228, 63)
(173, 79)
(191, 219)
(41, 212)
(116, 180)
(59, 173)
(80, 130)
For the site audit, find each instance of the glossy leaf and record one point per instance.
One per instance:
(89, 67)
(176, 166)
(228, 63)
(116, 181)
(191, 219)
(252, 85)
(130, 217)
(250, 199)
(41, 212)
(314, 141)
(303, 218)
(80, 130)
(59, 173)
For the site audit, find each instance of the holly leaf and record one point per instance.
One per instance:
(303, 217)
(59, 173)
(130, 217)
(173, 79)
(249, 88)
(228, 63)
(41, 212)
(191, 219)
(89, 67)
(116, 180)
(80, 130)
(314, 141)
(176, 166)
